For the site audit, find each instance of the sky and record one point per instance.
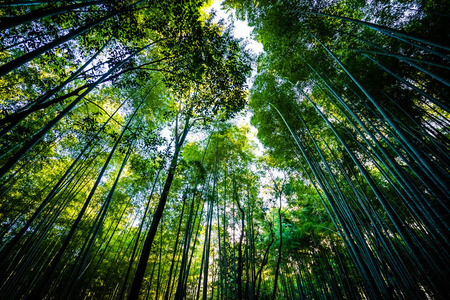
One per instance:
(242, 30)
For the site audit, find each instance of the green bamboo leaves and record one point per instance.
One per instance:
(372, 137)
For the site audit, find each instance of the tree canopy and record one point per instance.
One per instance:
(126, 171)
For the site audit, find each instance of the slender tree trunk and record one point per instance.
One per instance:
(138, 239)
(166, 296)
(16, 63)
(159, 264)
(264, 261)
(224, 245)
(39, 135)
(140, 271)
(205, 280)
(239, 272)
(40, 103)
(9, 22)
(275, 285)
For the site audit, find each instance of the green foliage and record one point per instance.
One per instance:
(114, 132)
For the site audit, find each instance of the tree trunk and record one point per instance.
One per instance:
(140, 271)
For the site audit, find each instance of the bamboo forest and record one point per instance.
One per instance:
(150, 150)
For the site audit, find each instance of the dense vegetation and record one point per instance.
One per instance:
(123, 173)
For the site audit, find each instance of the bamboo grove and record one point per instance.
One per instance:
(125, 175)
